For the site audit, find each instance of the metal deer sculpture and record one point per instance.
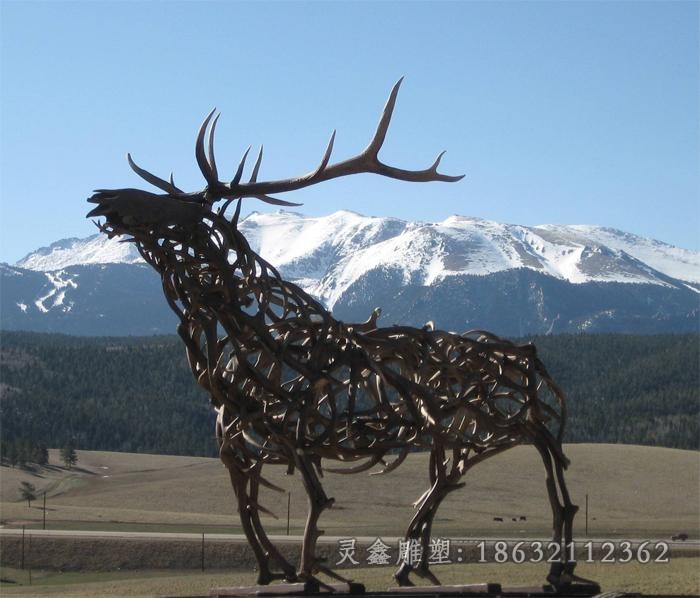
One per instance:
(292, 385)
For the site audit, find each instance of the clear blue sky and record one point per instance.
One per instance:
(558, 112)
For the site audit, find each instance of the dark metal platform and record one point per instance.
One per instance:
(482, 590)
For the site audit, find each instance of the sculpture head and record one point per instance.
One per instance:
(141, 213)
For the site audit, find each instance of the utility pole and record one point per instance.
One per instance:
(289, 502)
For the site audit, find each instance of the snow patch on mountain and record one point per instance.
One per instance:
(97, 249)
(675, 262)
(55, 298)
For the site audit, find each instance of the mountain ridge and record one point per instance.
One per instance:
(533, 241)
(353, 263)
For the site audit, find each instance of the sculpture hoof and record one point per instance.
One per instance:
(402, 573)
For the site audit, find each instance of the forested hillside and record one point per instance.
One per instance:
(137, 394)
(628, 389)
(121, 394)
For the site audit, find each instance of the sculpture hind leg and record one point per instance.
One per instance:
(561, 573)
(419, 529)
(556, 571)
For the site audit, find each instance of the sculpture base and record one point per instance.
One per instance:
(306, 588)
(495, 590)
(583, 590)
(476, 590)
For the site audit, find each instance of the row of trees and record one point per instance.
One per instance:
(27, 454)
(628, 389)
(29, 492)
(23, 453)
(138, 394)
(129, 395)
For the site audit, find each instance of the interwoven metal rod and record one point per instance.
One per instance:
(292, 385)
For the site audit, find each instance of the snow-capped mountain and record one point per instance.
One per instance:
(97, 249)
(327, 255)
(462, 272)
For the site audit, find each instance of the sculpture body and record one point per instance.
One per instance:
(292, 385)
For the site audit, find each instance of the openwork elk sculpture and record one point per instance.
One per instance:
(292, 385)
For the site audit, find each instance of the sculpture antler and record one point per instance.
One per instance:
(365, 162)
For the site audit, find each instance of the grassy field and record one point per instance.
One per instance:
(679, 576)
(633, 491)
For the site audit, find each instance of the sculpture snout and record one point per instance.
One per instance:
(127, 209)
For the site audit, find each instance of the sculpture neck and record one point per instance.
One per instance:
(210, 271)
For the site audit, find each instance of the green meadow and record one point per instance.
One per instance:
(634, 493)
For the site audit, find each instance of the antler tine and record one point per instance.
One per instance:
(277, 202)
(273, 200)
(256, 168)
(383, 126)
(212, 161)
(326, 156)
(239, 172)
(168, 187)
(204, 166)
(237, 212)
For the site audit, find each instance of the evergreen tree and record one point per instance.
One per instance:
(28, 492)
(12, 453)
(68, 455)
(5, 449)
(40, 454)
(24, 453)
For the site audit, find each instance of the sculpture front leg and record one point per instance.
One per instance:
(271, 552)
(318, 502)
(248, 510)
